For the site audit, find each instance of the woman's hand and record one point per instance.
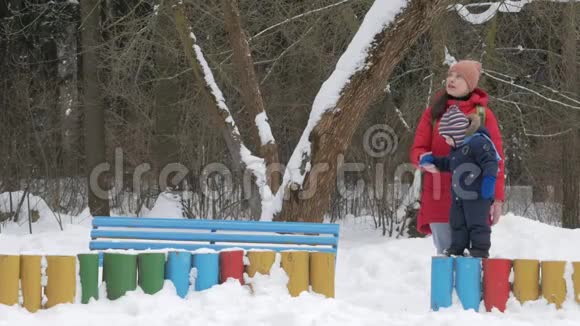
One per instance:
(426, 163)
(495, 211)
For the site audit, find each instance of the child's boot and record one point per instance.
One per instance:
(452, 252)
(477, 253)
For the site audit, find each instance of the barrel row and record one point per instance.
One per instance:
(38, 282)
(475, 280)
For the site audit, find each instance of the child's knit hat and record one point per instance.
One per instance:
(454, 124)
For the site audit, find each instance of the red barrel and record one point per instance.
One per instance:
(232, 265)
(496, 283)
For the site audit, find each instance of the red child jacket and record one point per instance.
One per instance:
(436, 193)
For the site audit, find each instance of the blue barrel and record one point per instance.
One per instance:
(441, 282)
(177, 270)
(468, 282)
(207, 266)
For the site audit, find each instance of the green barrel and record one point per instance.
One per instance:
(119, 274)
(89, 275)
(151, 272)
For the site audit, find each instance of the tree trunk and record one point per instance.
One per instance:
(166, 110)
(68, 97)
(242, 158)
(332, 135)
(439, 42)
(262, 135)
(570, 155)
(94, 107)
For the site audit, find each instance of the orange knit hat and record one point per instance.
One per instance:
(470, 70)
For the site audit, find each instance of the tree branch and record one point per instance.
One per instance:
(240, 153)
(251, 91)
(530, 91)
(298, 17)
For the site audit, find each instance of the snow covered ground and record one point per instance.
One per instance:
(379, 281)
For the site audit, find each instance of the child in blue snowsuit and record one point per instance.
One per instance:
(473, 162)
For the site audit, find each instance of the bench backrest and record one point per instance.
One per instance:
(191, 234)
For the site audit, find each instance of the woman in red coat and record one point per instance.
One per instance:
(461, 90)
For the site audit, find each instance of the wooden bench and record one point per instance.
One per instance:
(142, 233)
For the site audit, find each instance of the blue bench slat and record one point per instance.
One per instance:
(216, 237)
(104, 245)
(225, 225)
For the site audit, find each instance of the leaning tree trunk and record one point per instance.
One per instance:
(251, 94)
(332, 135)
(242, 157)
(94, 107)
(262, 138)
(571, 157)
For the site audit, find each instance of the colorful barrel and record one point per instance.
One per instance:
(232, 265)
(207, 267)
(322, 272)
(30, 277)
(119, 274)
(553, 282)
(441, 282)
(178, 270)
(468, 281)
(260, 262)
(151, 271)
(89, 275)
(526, 280)
(496, 283)
(296, 266)
(576, 280)
(61, 286)
(9, 279)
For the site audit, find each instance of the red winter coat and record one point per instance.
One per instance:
(436, 188)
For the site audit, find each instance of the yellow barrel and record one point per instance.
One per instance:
(526, 279)
(61, 286)
(9, 279)
(553, 282)
(322, 273)
(576, 279)
(30, 279)
(260, 262)
(295, 264)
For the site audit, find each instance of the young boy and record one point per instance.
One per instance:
(473, 162)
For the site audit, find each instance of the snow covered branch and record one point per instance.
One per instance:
(250, 89)
(380, 43)
(381, 14)
(204, 75)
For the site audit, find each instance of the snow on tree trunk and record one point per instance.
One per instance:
(383, 39)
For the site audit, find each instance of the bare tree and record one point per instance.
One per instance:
(570, 155)
(94, 108)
